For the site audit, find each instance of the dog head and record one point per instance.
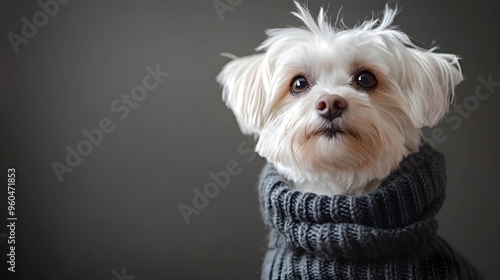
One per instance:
(337, 104)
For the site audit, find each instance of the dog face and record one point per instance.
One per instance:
(338, 106)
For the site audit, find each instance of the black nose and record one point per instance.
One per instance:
(330, 106)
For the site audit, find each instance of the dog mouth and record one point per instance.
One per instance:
(330, 131)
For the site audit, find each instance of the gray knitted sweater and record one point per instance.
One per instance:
(389, 233)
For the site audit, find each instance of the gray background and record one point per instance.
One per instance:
(119, 207)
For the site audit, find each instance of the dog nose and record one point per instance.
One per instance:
(330, 106)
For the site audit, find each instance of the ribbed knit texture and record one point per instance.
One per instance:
(389, 233)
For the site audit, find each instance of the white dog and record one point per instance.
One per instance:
(336, 110)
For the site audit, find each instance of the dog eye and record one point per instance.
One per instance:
(299, 84)
(365, 79)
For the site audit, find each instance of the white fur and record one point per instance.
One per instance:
(415, 89)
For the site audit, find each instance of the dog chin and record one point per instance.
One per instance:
(329, 183)
(334, 159)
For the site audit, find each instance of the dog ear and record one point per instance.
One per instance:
(428, 81)
(244, 92)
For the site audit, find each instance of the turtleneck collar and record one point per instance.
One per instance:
(397, 217)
